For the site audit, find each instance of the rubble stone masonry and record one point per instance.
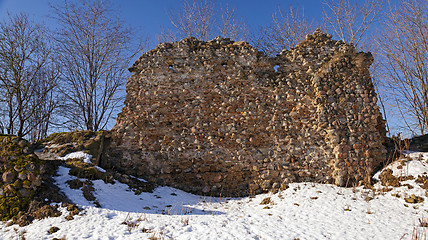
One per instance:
(222, 118)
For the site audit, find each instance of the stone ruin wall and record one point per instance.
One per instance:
(222, 118)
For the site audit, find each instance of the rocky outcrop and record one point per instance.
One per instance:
(20, 171)
(222, 118)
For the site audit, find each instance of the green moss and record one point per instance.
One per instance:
(12, 203)
(88, 171)
(17, 184)
(14, 158)
(67, 137)
(51, 137)
(11, 206)
(20, 162)
(26, 183)
(78, 164)
(11, 148)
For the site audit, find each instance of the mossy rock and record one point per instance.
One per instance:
(92, 146)
(11, 206)
(88, 171)
(22, 169)
(68, 137)
(68, 142)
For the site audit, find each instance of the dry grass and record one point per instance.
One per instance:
(266, 201)
(21, 235)
(157, 236)
(132, 224)
(184, 221)
(419, 233)
(423, 222)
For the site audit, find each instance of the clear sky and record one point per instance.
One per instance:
(148, 15)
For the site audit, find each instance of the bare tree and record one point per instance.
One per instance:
(95, 50)
(231, 26)
(350, 20)
(28, 73)
(262, 39)
(288, 28)
(201, 19)
(195, 20)
(404, 48)
(48, 110)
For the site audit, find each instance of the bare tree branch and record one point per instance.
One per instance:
(28, 74)
(288, 28)
(95, 50)
(349, 20)
(232, 27)
(404, 48)
(202, 20)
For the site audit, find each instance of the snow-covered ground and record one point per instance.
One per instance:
(303, 211)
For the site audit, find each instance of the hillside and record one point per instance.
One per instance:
(302, 211)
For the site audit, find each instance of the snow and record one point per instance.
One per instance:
(100, 169)
(79, 155)
(303, 211)
(413, 168)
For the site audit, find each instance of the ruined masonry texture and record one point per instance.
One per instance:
(221, 118)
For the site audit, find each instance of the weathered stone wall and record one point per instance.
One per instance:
(221, 118)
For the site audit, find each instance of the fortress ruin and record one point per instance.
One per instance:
(222, 118)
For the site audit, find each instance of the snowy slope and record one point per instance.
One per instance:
(303, 211)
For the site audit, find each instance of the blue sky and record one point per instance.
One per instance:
(149, 15)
